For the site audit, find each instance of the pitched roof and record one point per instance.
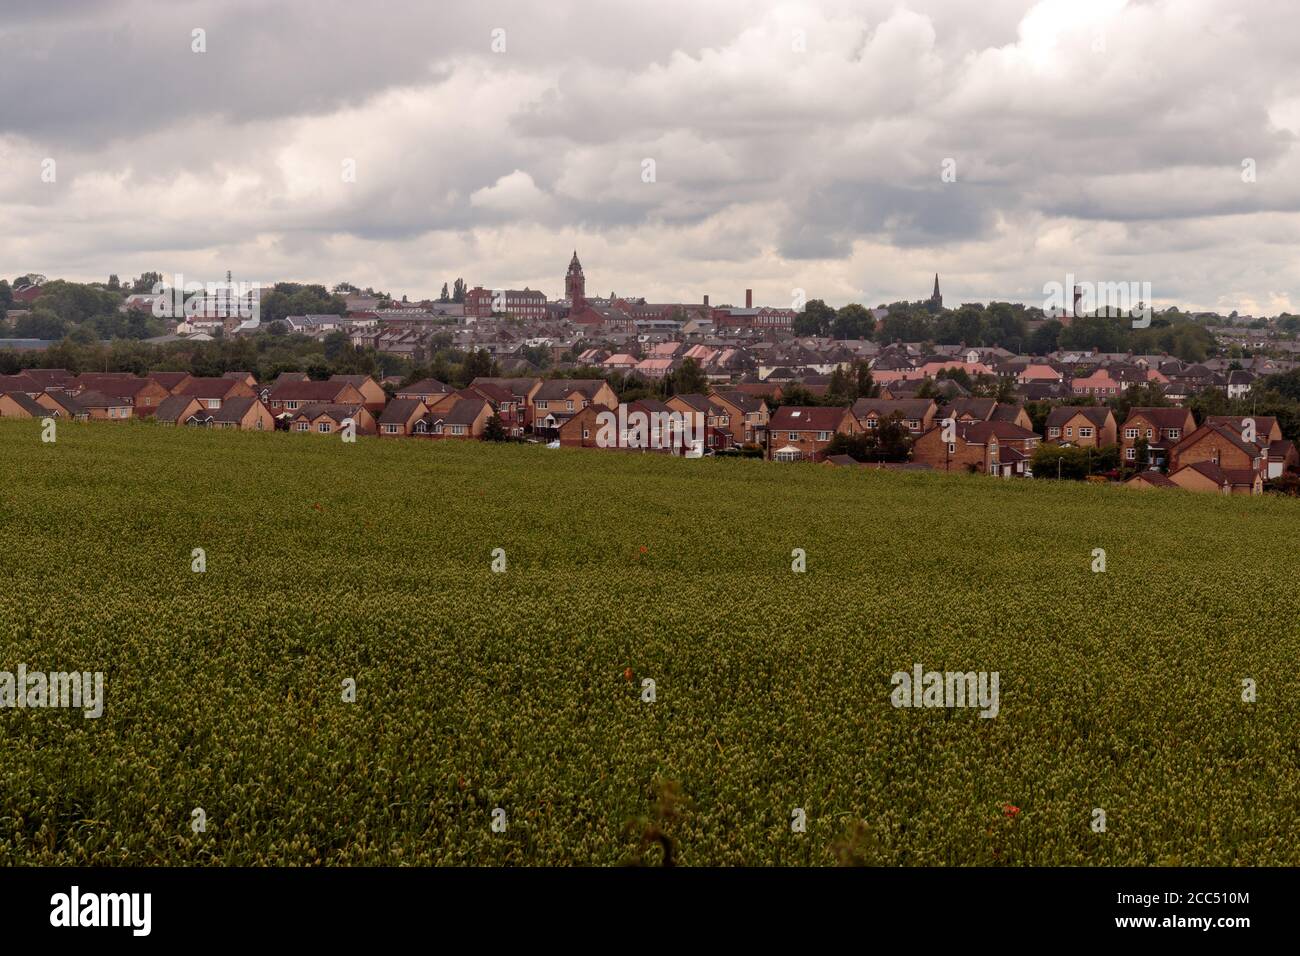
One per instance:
(328, 410)
(807, 418)
(173, 407)
(27, 403)
(322, 392)
(559, 388)
(209, 387)
(400, 410)
(234, 409)
(908, 408)
(168, 380)
(1061, 414)
(426, 386)
(92, 399)
(1160, 417)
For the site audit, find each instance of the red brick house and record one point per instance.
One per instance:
(1160, 428)
(1001, 449)
(801, 433)
(1083, 426)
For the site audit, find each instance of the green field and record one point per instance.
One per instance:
(477, 690)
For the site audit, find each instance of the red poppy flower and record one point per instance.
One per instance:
(1010, 811)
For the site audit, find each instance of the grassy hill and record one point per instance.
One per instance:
(522, 690)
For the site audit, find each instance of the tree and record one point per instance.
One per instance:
(815, 319)
(6, 296)
(146, 282)
(853, 322)
(114, 283)
(458, 291)
(445, 296)
(494, 430)
(688, 379)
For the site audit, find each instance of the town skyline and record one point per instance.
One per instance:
(847, 149)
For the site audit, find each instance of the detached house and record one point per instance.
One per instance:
(179, 410)
(212, 392)
(20, 405)
(748, 416)
(996, 448)
(399, 417)
(328, 418)
(1207, 476)
(801, 433)
(1160, 428)
(559, 399)
(292, 396)
(372, 393)
(916, 414)
(706, 420)
(99, 406)
(61, 404)
(466, 418)
(1082, 426)
(140, 393)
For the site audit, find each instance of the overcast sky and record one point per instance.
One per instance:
(795, 145)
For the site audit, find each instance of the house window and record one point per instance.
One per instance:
(871, 423)
(823, 436)
(1148, 433)
(390, 429)
(1130, 433)
(1174, 432)
(1069, 431)
(1053, 432)
(794, 436)
(1130, 453)
(303, 427)
(541, 405)
(952, 448)
(458, 429)
(1085, 432)
(323, 428)
(214, 403)
(568, 406)
(292, 406)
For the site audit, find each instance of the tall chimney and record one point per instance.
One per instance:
(706, 301)
(749, 298)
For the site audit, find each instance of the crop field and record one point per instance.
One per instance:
(226, 738)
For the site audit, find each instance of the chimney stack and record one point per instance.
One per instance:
(706, 301)
(749, 298)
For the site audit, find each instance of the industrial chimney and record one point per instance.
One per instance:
(749, 298)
